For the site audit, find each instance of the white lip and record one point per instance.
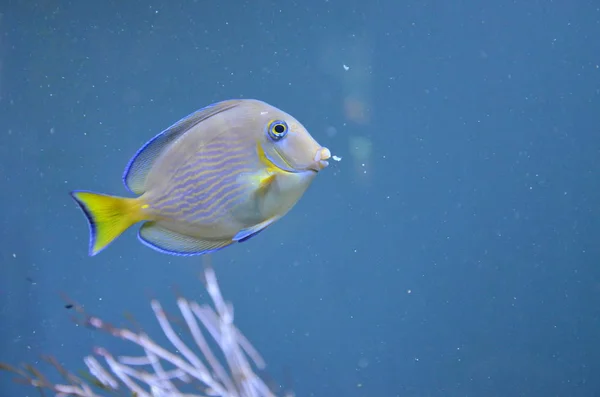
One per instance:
(321, 157)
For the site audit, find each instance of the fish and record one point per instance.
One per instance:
(218, 176)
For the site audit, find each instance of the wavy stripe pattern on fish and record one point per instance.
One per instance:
(209, 188)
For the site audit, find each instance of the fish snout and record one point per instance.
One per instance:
(320, 160)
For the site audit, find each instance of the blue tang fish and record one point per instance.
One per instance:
(220, 175)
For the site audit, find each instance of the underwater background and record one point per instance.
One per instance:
(453, 251)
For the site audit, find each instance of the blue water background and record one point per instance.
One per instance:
(455, 249)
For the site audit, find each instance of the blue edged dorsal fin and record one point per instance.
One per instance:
(246, 234)
(137, 170)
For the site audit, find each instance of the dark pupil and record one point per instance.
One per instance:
(279, 129)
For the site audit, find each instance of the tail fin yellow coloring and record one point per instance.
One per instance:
(108, 216)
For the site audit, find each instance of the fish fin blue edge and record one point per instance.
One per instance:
(248, 237)
(175, 253)
(140, 164)
(89, 218)
(156, 247)
(248, 233)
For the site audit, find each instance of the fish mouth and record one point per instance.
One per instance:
(320, 161)
(280, 162)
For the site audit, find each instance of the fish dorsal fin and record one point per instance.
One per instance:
(137, 170)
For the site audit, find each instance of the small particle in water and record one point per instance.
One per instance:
(346, 68)
(336, 158)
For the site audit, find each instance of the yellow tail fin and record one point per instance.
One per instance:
(108, 216)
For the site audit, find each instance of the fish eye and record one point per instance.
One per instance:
(277, 129)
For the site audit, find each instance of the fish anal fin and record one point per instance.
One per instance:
(140, 164)
(167, 241)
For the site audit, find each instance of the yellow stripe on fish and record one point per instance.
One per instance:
(218, 176)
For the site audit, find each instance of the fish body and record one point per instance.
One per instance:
(218, 176)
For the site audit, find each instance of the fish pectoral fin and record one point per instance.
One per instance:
(249, 232)
(265, 181)
(260, 181)
(170, 242)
